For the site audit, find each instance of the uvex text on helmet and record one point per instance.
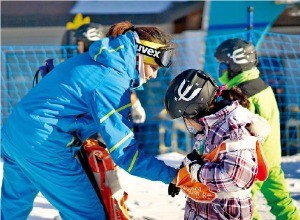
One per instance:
(189, 94)
(239, 54)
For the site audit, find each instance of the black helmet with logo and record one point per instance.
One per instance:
(189, 94)
(88, 33)
(238, 54)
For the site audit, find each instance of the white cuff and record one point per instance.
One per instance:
(194, 171)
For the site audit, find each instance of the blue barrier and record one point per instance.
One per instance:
(279, 56)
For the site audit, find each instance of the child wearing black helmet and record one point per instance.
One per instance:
(226, 158)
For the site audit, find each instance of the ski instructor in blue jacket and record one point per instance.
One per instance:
(86, 94)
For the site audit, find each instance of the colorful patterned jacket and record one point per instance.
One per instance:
(235, 171)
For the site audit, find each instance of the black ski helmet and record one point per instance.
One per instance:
(238, 54)
(88, 33)
(189, 94)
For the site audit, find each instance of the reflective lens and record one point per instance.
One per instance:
(165, 57)
(223, 67)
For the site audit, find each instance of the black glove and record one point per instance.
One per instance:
(193, 158)
(173, 190)
(193, 162)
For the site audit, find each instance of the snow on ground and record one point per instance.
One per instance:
(150, 201)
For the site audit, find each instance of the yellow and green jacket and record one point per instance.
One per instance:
(263, 102)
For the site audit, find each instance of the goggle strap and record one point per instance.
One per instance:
(148, 51)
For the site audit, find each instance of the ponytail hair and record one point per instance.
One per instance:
(152, 34)
(119, 28)
(228, 96)
(235, 93)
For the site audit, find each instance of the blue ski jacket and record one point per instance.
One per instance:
(86, 94)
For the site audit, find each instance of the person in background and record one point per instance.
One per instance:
(83, 95)
(238, 67)
(217, 116)
(68, 38)
(86, 34)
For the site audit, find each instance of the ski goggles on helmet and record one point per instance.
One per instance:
(223, 67)
(155, 54)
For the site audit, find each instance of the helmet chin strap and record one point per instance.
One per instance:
(140, 62)
(141, 69)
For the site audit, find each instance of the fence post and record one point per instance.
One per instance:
(250, 23)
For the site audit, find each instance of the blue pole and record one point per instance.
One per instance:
(250, 22)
